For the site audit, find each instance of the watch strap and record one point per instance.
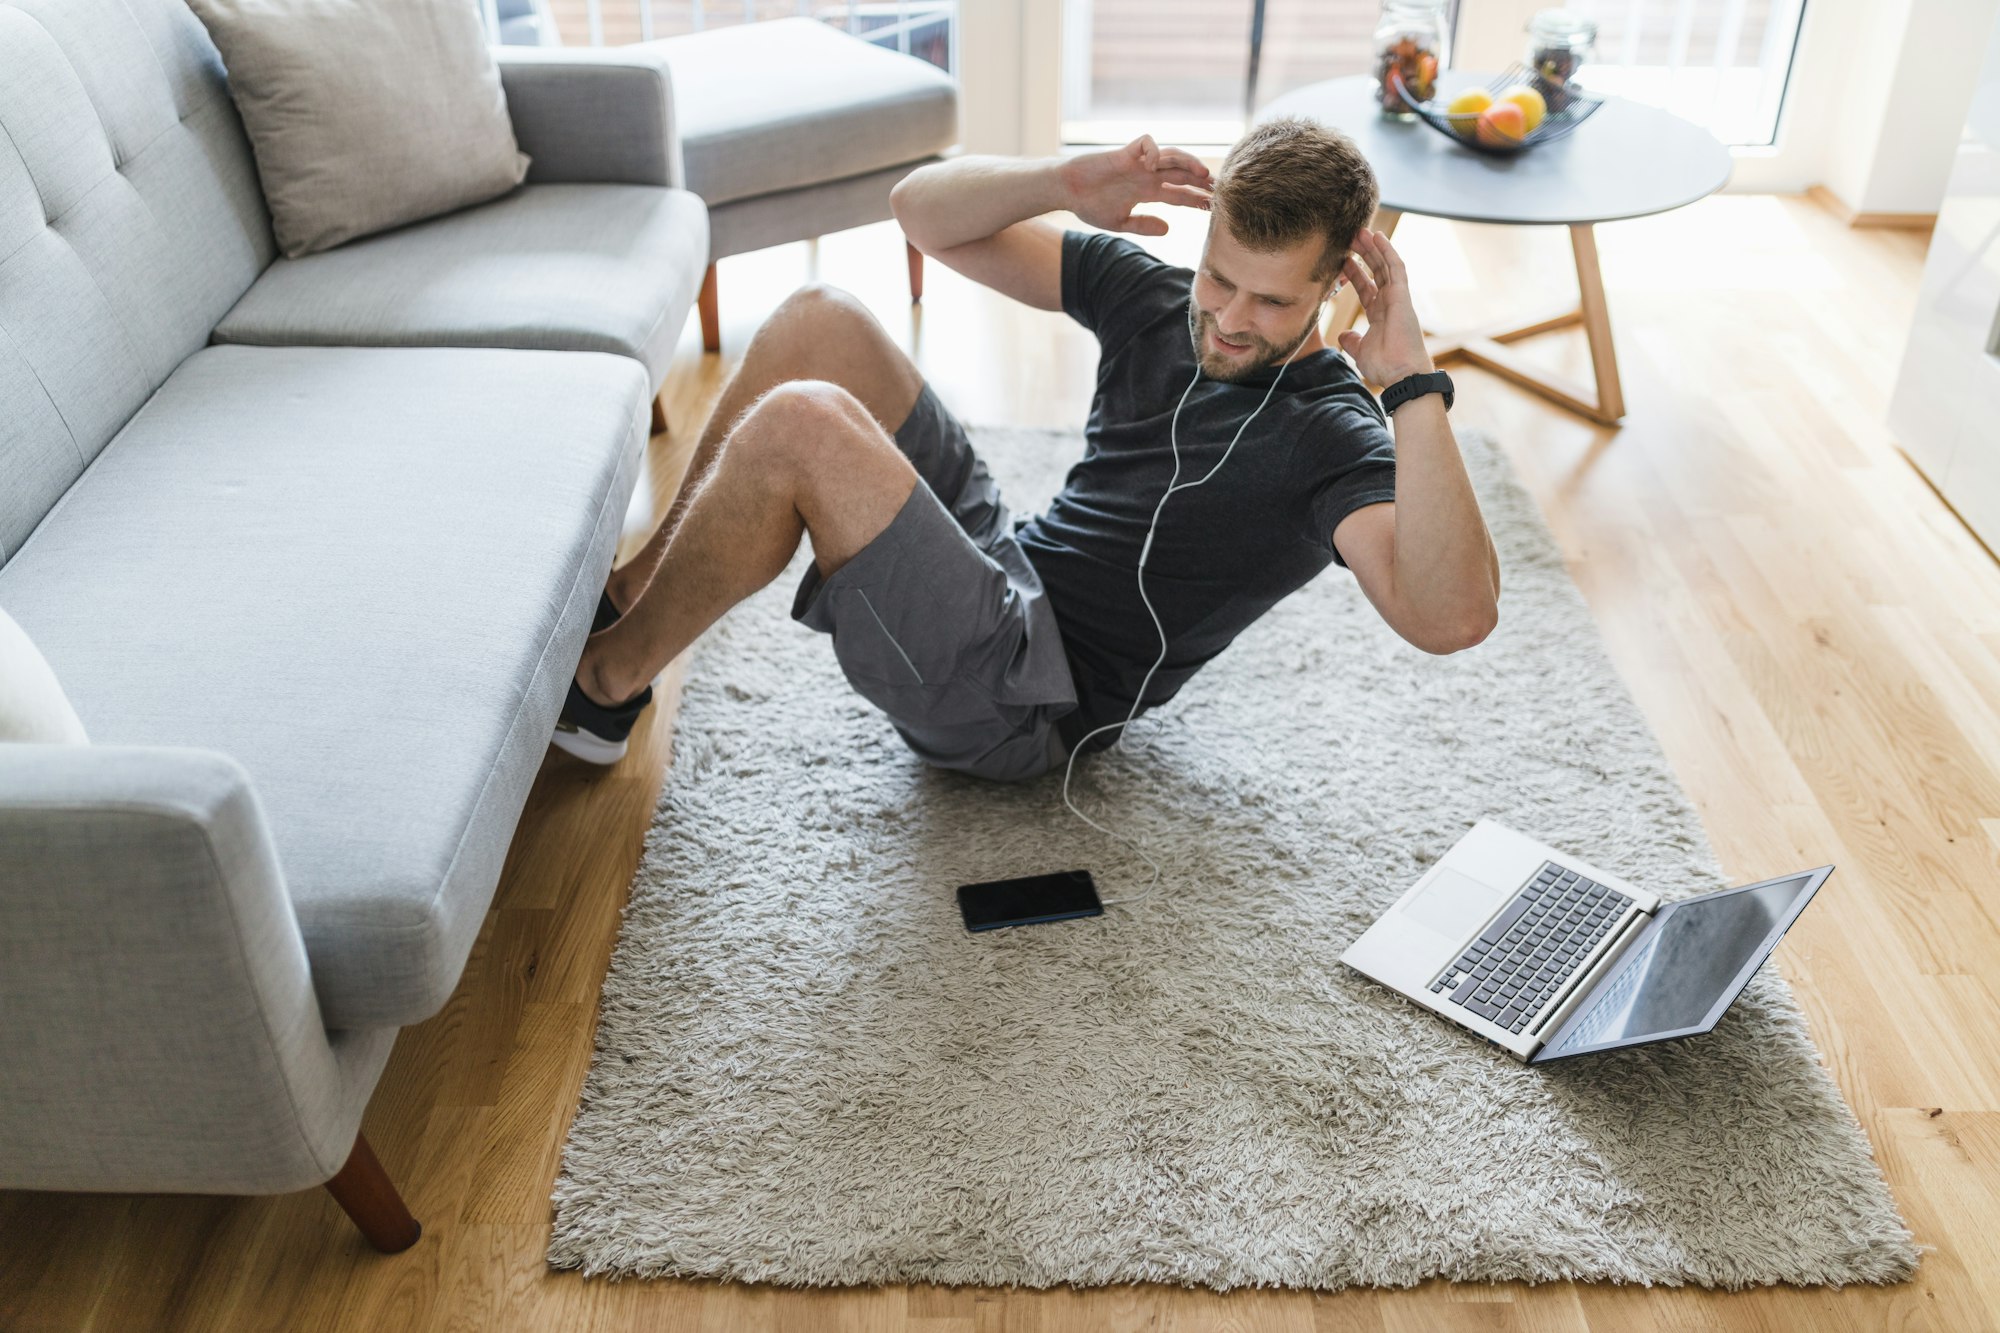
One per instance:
(1415, 386)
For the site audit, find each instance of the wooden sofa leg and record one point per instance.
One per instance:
(659, 414)
(711, 318)
(365, 1192)
(916, 272)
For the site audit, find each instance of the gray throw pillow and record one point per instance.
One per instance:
(33, 706)
(365, 114)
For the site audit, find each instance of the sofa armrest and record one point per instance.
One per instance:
(593, 113)
(158, 1029)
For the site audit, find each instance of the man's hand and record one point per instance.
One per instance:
(1105, 187)
(1393, 347)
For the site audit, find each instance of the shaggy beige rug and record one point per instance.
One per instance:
(809, 1072)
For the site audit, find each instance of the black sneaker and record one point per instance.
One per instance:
(594, 733)
(607, 613)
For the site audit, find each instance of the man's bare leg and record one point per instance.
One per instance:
(816, 333)
(808, 457)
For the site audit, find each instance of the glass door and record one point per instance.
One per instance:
(1197, 71)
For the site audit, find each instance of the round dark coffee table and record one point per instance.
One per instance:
(1626, 161)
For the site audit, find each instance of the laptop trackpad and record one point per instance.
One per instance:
(1452, 904)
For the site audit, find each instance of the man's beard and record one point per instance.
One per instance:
(1264, 354)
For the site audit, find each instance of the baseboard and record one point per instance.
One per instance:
(1945, 500)
(1853, 217)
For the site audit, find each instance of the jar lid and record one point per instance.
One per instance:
(1561, 23)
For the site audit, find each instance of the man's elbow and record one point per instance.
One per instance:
(906, 200)
(901, 197)
(1458, 637)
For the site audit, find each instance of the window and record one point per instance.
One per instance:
(927, 29)
(1195, 71)
(1719, 63)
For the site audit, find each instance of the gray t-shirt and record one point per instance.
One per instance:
(1226, 551)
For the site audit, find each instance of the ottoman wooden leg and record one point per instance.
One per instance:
(660, 413)
(711, 317)
(916, 257)
(367, 1195)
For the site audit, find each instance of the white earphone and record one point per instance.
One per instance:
(1145, 550)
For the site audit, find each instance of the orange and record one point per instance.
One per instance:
(1531, 104)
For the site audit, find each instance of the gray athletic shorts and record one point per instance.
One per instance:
(942, 623)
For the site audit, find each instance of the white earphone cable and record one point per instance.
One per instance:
(1173, 436)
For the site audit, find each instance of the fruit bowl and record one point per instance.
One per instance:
(1543, 111)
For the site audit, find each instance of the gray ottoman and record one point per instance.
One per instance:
(792, 129)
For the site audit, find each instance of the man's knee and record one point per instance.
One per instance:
(821, 332)
(808, 403)
(823, 307)
(803, 425)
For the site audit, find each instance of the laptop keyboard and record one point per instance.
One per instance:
(1510, 972)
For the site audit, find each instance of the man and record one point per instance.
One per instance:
(996, 647)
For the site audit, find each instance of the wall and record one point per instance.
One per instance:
(1948, 388)
(1907, 69)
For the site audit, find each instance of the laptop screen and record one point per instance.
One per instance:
(1686, 970)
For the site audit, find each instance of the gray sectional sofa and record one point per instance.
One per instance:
(313, 546)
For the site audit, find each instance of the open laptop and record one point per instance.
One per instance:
(1547, 956)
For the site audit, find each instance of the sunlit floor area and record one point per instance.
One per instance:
(1810, 631)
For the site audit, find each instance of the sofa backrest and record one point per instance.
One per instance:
(130, 221)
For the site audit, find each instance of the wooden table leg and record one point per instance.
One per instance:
(1486, 345)
(1597, 322)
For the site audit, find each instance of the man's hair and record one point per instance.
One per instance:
(1291, 179)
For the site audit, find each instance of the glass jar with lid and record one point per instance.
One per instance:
(1559, 42)
(1412, 38)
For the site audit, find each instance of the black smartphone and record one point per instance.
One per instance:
(1028, 900)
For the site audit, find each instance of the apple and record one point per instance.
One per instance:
(1531, 104)
(1502, 125)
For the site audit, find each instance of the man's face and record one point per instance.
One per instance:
(1250, 310)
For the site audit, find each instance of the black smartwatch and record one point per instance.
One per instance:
(1416, 386)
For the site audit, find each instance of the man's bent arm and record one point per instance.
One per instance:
(1446, 571)
(971, 198)
(975, 215)
(1426, 561)
(983, 215)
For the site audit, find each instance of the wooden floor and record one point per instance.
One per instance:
(1814, 637)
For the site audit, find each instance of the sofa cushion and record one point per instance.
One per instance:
(776, 219)
(130, 220)
(774, 106)
(366, 575)
(605, 268)
(365, 116)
